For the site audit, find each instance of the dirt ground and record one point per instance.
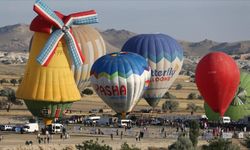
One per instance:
(153, 138)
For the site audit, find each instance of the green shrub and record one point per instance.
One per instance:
(87, 92)
(170, 105)
(169, 96)
(220, 144)
(246, 141)
(3, 103)
(3, 81)
(10, 95)
(156, 148)
(125, 146)
(192, 107)
(192, 96)
(13, 81)
(91, 145)
(178, 87)
(182, 143)
(200, 97)
(194, 128)
(20, 80)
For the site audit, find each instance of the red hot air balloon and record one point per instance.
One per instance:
(217, 78)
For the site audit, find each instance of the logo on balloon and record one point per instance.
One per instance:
(113, 90)
(162, 75)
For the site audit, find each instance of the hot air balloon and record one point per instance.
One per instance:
(93, 47)
(165, 57)
(48, 86)
(217, 78)
(240, 106)
(120, 80)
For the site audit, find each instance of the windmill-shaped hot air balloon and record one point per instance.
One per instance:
(48, 87)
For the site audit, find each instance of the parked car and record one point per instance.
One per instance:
(155, 122)
(91, 120)
(125, 123)
(225, 119)
(6, 127)
(55, 128)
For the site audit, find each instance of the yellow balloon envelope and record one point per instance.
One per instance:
(54, 82)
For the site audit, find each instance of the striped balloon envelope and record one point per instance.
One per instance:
(93, 47)
(120, 80)
(165, 57)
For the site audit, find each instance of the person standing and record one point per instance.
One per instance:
(117, 132)
(39, 138)
(136, 136)
(111, 136)
(48, 138)
(121, 134)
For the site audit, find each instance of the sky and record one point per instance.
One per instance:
(190, 20)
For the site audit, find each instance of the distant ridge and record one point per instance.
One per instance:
(17, 38)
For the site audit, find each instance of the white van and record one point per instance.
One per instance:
(225, 119)
(92, 120)
(125, 123)
(55, 128)
(31, 127)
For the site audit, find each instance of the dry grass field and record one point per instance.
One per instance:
(87, 103)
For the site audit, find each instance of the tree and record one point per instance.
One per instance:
(87, 91)
(13, 81)
(192, 107)
(192, 96)
(3, 104)
(199, 97)
(182, 143)
(246, 141)
(20, 80)
(11, 97)
(220, 144)
(167, 95)
(194, 128)
(125, 146)
(91, 145)
(170, 105)
(178, 86)
(3, 81)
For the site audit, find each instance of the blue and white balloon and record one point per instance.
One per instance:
(120, 79)
(165, 57)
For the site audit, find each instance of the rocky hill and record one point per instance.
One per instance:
(17, 38)
(116, 38)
